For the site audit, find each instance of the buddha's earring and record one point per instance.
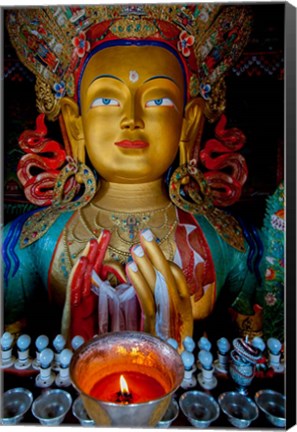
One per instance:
(189, 191)
(66, 187)
(63, 201)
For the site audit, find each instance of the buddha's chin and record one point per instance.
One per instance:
(134, 175)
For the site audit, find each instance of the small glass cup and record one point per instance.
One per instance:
(240, 410)
(200, 408)
(51, 407)
(78, 410)
(272, 404)
(16, 402)
(170, 415)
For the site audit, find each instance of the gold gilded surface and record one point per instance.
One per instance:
(203, 307)
(133, 28)
(83, 226)
(144, 101)
(45, 100)
(132, 112)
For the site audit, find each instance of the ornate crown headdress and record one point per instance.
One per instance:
(53, 42)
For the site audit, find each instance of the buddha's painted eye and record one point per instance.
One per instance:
(104, 102)
(160, 102)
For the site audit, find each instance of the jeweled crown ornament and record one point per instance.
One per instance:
(54, 43)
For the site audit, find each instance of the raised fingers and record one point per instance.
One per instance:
(103, 241)
(76, 279)
(183, 289)
(159, 261)
(181, 319)
(144, 295)
(144, 265)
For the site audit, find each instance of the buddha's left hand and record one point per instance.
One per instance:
(162, 290)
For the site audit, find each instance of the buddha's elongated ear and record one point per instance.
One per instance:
(191, 128)
(74, 128)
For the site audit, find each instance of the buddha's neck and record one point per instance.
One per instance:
(131, 197)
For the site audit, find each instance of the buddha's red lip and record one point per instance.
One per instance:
(132, 144)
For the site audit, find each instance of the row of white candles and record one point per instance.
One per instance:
(47, 361)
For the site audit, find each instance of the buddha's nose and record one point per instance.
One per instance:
(131, 123)
(132, 119)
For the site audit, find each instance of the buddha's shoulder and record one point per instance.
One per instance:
(35, 228)
(222, 228)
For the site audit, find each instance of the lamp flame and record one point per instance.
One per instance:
(123, 385)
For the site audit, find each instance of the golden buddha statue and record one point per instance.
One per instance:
(129, 252)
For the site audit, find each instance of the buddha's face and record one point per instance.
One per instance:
(132, 102)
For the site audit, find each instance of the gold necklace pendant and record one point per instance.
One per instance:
(124, 228)
(128, 225)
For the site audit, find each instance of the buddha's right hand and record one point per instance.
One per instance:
(150, 272)
(83, 301)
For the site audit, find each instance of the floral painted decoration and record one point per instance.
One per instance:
(270, 299)
(274, 238)
(205, 90)
(82, 45)
(184, 43)
(192, 167)
(59, 89)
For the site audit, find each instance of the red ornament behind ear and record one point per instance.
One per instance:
(227, 168)
(38, 169)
